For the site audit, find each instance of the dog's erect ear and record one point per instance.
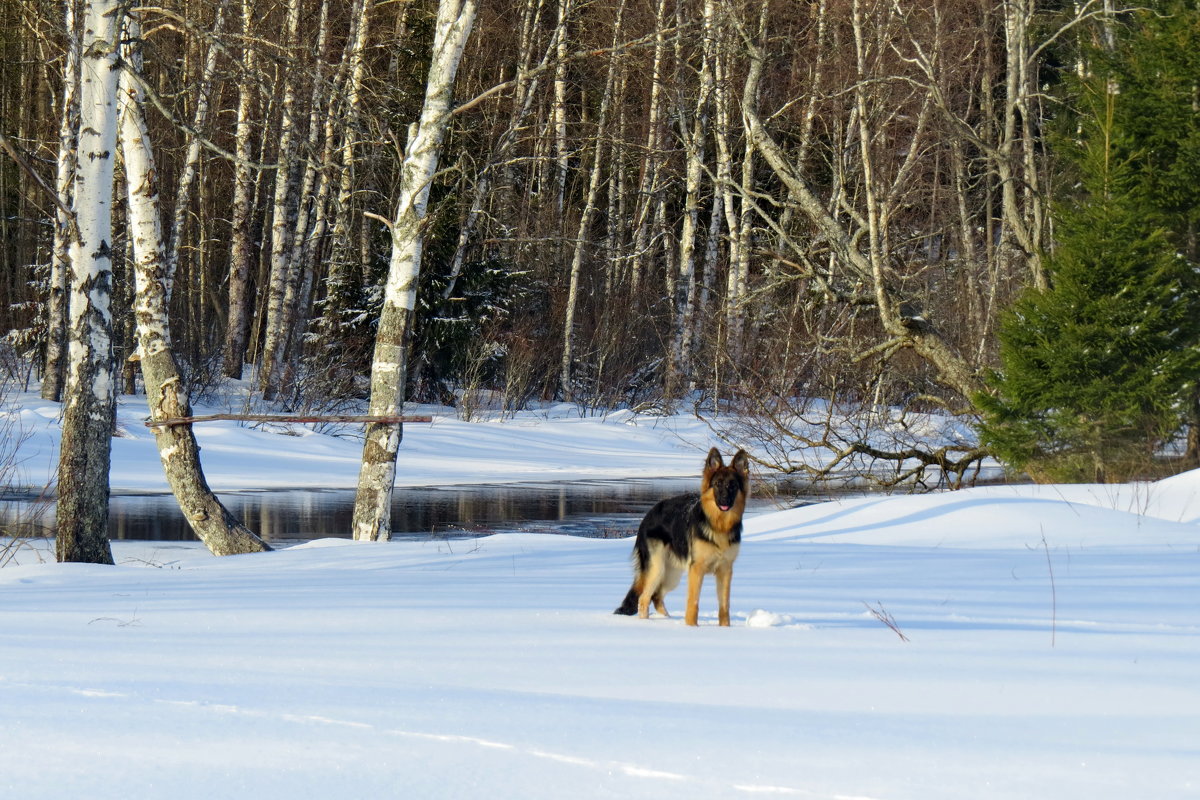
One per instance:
(714, 460)
(741, 462)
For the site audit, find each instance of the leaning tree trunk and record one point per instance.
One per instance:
(372, 504)
(220, 531)
(83, 462)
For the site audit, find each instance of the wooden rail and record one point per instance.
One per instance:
(151, 423)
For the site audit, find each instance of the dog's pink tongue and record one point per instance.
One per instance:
(724, 508)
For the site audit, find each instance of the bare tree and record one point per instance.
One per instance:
(859, 237)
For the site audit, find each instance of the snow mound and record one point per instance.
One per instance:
(321, 543)
(994, 517)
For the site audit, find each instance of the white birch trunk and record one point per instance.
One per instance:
(560, 109)
(54, 374)
(1018, 223)
(192, 159)
(679, 368)
(309, 214)
(585, 219)
(82, 511)
(737, 214)
(649, 191)
(238, 324)
(372, 506)
(340, 276)
(220, 531)
(282, 224)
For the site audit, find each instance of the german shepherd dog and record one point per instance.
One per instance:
(700, 533)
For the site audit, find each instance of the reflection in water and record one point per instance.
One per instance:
(596, 508)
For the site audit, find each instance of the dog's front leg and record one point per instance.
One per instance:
(724, 579)
(695, 579)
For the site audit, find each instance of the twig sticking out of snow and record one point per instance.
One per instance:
(886, 618)
(1053, 593)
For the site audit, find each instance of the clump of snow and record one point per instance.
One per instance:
(760, 618)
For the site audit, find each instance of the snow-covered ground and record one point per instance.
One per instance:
(1053, 644)
(447, 451)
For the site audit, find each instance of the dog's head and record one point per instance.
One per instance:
(729, 485)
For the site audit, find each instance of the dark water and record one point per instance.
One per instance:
(593, 508)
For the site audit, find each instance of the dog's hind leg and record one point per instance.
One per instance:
(670, 579)
(652, 584)
(659, 605)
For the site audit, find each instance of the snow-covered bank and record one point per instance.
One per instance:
(445, 452)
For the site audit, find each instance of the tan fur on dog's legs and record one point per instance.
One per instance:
(724, 579)
(695, 580)
(651, 585)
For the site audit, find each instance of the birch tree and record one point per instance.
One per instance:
(1015, 157)
(738, 216)
(191, 159)
(589, 210)
(238, 324)
(372, 505)
(87, 425)
(54, 371)
(166, 396)
(650, 204)
(283, 222)
(695, 129)
(340, 273)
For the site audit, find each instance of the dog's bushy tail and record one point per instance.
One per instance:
(629, 606)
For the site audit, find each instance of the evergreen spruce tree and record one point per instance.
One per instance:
(1156, 69)
(1095, 369)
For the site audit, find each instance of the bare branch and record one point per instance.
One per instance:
(546, 66)
(8, 147)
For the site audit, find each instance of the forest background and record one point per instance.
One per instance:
(773, 208)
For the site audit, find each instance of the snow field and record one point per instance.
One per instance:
(494, 667)
(1053, 643)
